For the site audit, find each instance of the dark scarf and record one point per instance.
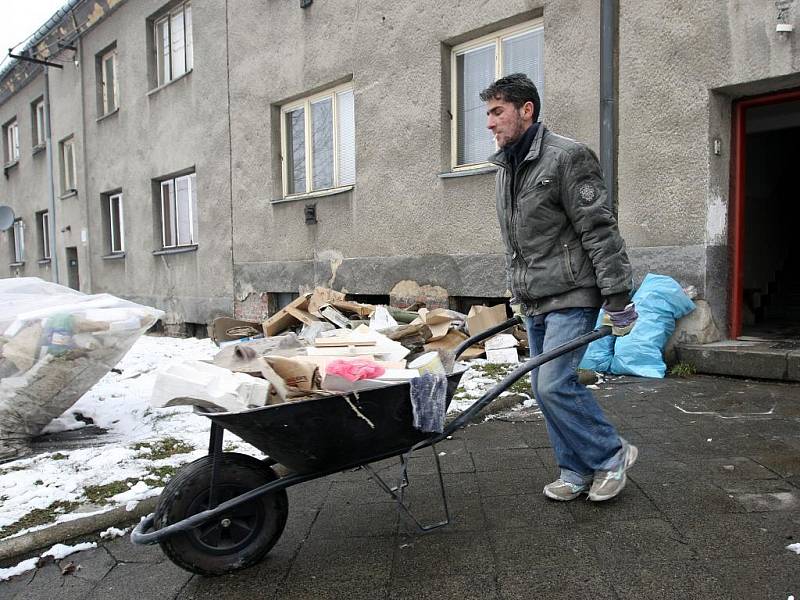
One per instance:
(516, 152)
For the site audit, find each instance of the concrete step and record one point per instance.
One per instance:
(767, 359)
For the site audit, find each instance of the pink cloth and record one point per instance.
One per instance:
(353, 370)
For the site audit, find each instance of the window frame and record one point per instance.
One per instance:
(112, 238)
(305, 103)
(18, 241)
(106, 106)
(65, 188)
(38, 126)
(172, 184)
(43, 223)
(497, 37)
(11, 135)
(188, 48)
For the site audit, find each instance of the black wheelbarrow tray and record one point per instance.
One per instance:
(226, 510)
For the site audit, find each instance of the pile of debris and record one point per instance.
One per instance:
(324, 344)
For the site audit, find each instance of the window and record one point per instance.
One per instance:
(68, 178)
(18, 241)
(11, 131)
(37, 123)
(173, 43)
(116, 224)
(475, 65)
(109, 93)
(43, 227)
(318, 140)
(178, 211)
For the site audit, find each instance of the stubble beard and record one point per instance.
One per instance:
(519, 129)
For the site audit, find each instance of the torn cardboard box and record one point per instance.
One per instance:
(225, 329)
(481, 318)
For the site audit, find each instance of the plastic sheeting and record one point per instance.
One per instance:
(55, 344)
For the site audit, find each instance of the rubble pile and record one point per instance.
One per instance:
(324, 344)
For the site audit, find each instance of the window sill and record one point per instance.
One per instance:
(176, 250)
(318, 194)
(17, 265)
(8, 166)
(468, 172)
(68, 194)
(38, 149)
(113, 256)
(43, 261)
(107, 115)
(169, 83)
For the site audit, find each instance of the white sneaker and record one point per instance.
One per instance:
(608, 484)
(563, 491)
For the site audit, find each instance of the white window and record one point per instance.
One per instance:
(116, 224)
(43, 225)
(12, 142)
(108, 81)
(179, 211)
(474, 67)
(173, 43)
(38, 123)
(68, 171)
(318, 140)
(18, 241)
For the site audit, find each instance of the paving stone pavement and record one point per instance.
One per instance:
(708, 512)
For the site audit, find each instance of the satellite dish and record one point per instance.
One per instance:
(6, 217)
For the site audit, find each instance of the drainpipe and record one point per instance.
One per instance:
(50, 183)
(609, 27)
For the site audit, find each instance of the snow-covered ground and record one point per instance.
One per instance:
(141, 448)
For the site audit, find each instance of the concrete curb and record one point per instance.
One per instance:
(60, 532)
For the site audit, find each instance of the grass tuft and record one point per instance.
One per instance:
(682, 369)
(39, 516)
(164, 448)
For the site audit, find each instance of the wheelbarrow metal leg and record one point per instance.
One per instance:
(398, 492)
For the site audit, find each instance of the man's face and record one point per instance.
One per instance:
(507, 122)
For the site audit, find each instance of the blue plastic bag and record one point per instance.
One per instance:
(600, 352)
(660, 301)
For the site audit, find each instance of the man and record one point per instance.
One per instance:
(565, 259)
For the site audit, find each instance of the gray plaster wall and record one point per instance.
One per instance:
(179, 127)
(681, 66)
(401, 220)
(26, 187)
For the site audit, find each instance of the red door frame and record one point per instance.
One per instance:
(738, 183)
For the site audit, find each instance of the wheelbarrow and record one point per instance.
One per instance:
(226, 510)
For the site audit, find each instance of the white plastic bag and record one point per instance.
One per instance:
(55, 344)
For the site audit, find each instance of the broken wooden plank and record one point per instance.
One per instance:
(283, 319)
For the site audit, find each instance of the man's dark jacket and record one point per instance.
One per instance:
(563, 247)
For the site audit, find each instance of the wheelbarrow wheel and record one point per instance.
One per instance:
(237, 539)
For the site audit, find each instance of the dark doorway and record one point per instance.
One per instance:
(72, 268)
(770, 277)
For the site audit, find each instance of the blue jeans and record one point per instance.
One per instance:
(582, 439)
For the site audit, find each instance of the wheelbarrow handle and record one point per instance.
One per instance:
(483, 335)
(509, 380)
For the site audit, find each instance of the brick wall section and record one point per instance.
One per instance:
(254, 307)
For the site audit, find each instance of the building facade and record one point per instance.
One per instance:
(228, 155)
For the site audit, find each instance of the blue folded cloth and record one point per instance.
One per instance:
(428, 402)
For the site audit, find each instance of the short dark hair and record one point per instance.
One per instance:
(516, 88)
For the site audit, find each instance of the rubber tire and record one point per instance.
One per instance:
(186, 494)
